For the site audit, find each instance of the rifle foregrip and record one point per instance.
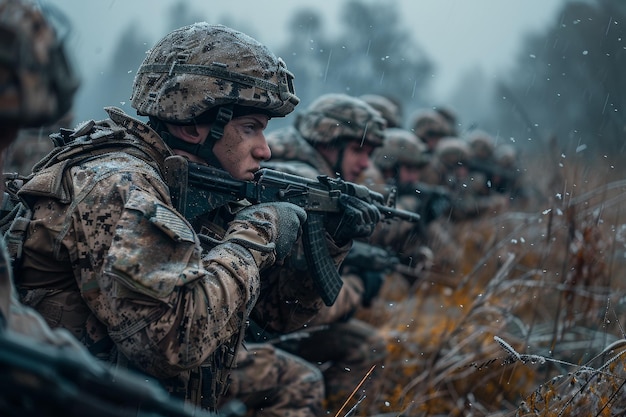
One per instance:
(325, 275)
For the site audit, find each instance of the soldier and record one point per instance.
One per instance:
(32, 144)
(390, 110)
(37, 88)
(507, 178)
(335, 136)
(107, 255)
(401, 161)
(450, 117)
(481, 163)
(450, 168)
(430, 126)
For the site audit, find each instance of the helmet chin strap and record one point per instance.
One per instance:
(203, 150)
(338, 163)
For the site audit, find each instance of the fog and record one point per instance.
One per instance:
(459, 36)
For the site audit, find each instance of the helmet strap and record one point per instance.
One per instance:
(224, 115)
(338, 163)
(202, 150)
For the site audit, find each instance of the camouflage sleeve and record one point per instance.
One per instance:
(349, 299)
(165, 306)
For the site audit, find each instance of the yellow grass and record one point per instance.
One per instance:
(528, 323)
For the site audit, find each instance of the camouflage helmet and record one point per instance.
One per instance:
(387, 108)
(37, 83)
(450, 118)
(335, 117)
(401, 147)
(481, 144)
(426, 122)
(506, 155)
(205, 66)
(452, 151)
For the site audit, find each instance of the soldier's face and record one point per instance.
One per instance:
(408, 174)
(243, 146)
(356, 159)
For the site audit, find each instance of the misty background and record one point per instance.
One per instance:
(536, 73)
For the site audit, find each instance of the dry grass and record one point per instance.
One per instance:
(529, 323)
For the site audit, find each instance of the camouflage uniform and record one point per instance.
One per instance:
(408, 241)
(108, 257)
(430, 126)
(390, 110)
(119, 267)
(344, 347)
(450, 168)
(272, 382)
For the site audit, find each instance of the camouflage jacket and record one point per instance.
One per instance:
(18, 318)
(108, 257)
(291, 153)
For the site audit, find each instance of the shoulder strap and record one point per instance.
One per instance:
(14, 220)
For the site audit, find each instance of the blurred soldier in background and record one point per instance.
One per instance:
(451, 119)
(450, 167)
(430, 127)
(482, 165)
(508, 179)
(107, 255)
(335, 136)
(401, 161)
(38, 87)
(33, 144)
(390, 110)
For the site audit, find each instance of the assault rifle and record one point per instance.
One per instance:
(39, 380)
(435, 200)
(196, 189)
(363, 256)
(500, 178)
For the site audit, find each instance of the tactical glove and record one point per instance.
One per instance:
(438, 206)
(372, 281)
(357, 220)
(275, 227)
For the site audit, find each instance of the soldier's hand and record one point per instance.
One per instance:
(372, 281)
(283, 219)
(357, 220)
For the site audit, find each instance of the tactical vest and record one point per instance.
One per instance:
(72, 147)
(90, 140)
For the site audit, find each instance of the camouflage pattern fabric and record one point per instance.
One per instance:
(272, 382)
(338, 116)
(291, 153)
(346, 348)
(346, 351)
(104, 234)
(18, 318)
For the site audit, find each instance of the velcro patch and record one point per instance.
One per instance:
(172, 224)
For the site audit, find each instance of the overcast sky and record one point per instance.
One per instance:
(457, 35)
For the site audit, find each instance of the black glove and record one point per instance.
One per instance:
(438, 206)
(282, 221)
(372, 281)
(357, 220)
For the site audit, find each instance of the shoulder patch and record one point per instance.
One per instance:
(172, 224)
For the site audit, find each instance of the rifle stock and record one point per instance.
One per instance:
(198, 189)
(42, 380)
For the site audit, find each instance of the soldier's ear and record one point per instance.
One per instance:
(189, 133)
